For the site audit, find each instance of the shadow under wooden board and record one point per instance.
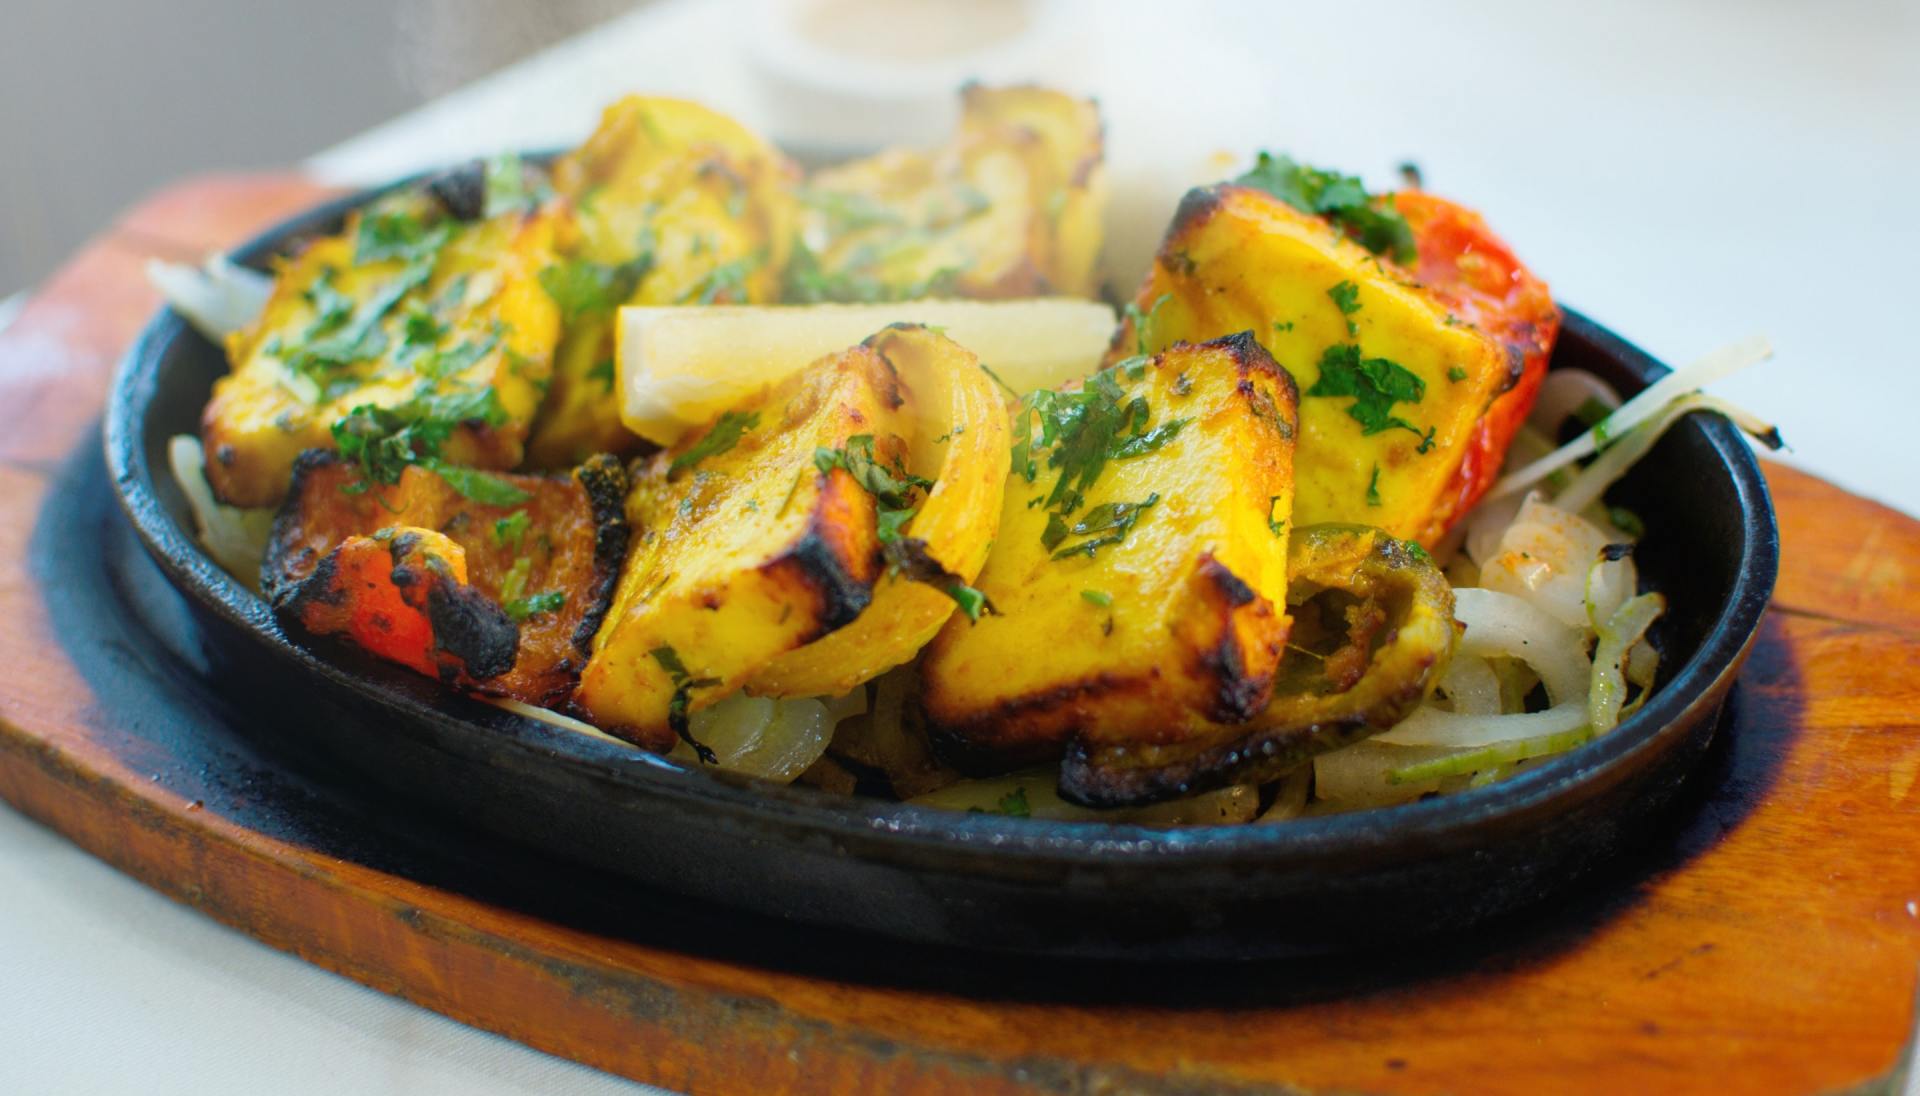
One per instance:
(1767, 943)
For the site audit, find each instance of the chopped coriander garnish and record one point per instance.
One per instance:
(398, 234)
(892, 488)
(1099, 598)
(1417, 552)
(583, 288)
(1143, 323)
(1111, 522)
(508, 531)
(725, 435)
(1142, 444)
(384, 440)
(602, 371)
(1283, 328)
(1015, 803)
(1370, 221)
(456, 359)
(1276, 527)
(728, 280)
(1456, 374)
(683, 686)
(1375, 384)
(1346, 297)
(1373, 487)
(479, 486)
(550, 601)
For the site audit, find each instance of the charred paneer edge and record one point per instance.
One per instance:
(410, 337)
(1392, 387)
(752, 538)
(546, 550)
(1140, 568)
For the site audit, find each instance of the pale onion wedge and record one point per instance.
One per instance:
(678, 367)
(964, 448)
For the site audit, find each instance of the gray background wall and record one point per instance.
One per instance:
(101, 101)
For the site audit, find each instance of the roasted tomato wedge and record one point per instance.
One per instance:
(545, 552)
(1474, 272)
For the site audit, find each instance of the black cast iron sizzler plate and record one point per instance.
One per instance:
(1063, 889)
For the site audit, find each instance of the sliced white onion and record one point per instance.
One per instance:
(1607, 692)
(1610, 582)
(1562, 393)
(758, 736)
(1593, 480)
(1471, 686)
(1544, 558)
(217, 298)
(1722, 363)
(1502, 624)
(1429, 726)
(236, 538)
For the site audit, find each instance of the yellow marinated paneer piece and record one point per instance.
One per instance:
(1391, 387)
(749, 541)
(1139, 576)
(670, 203)
(407, 309)
(1010, 207)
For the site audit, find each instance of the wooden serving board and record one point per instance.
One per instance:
(1768, 943)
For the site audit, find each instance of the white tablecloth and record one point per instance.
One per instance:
(1684, 172)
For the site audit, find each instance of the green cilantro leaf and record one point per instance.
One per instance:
(1098, 598)
(509, 531)
(398, 234)
(1346, 297)
(1015, 804)
(1375, 384)
(724, 435)
(584, 288)
(550, 601)
(1373, 487)
(1371, 221)
(479, 486)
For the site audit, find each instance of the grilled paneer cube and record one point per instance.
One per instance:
(545, 550)
(752, 538)
(1139, 576)
(667, 203)
(1010, 207)
(407, 309)
(1393, 385)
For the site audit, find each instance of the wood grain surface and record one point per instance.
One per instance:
(1768, 943)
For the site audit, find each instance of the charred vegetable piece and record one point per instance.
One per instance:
(402, 594)
(1395, 384)
(1373, 631)
(1139, 573)
(666, 203)
(960, 445)
(545, 549)
(754, 537)
(1010, 207)
(1476, 276)
(439, 326)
